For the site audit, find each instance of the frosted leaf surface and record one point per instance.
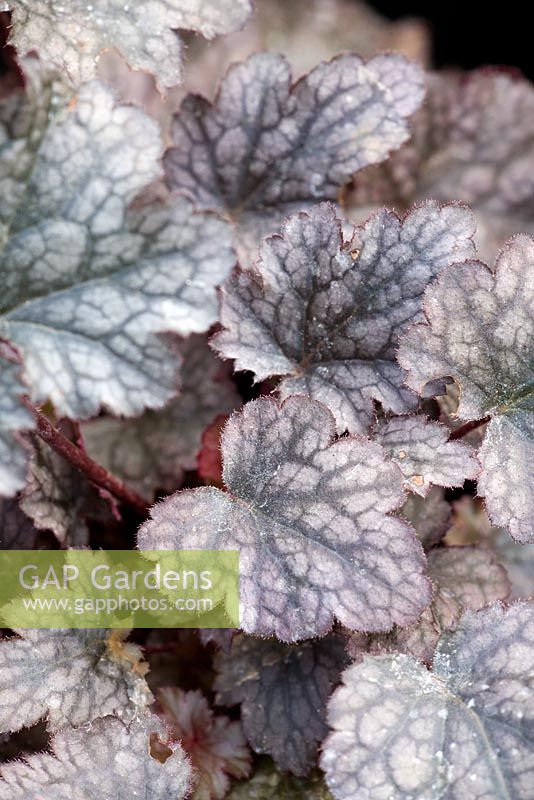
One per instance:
(266, 148)
(310, 519)
(73, 34)
(463, 730)
(283, 690)
(109, 760)
(327, 313)
(71, 677)
(88, 280)
(480, 331)
(14, 418)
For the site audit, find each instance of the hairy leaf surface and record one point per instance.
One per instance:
(88, 281)
(108, 760)
(425, 456)
(480, 331)
(267, 148)
(463, 578)
(215, 744)
(283, 690)
(73, 34)
(463, 730)
(151, 452)
(70, 676)
(268, 783)
(328, 313)
(309, 518)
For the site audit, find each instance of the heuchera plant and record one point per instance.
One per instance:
(292, 323)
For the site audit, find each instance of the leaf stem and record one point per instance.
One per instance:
(467, 427)
(79, 459)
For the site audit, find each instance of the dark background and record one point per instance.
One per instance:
(470, 34)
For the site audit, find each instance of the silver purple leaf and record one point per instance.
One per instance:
(88, 280)
(73, 35)
(462, 578)
(17, 531)
(429, 515)
(267, 148)
(327, 313)
(310, 519)
(282, 690)
(463, 730)
(109, 759)
(424, 454)
(480, 331)
(268, 783)
(472, 141)
(71, 677)
(152, 452)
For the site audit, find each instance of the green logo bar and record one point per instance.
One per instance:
(119, 588)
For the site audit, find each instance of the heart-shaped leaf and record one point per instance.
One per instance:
(266, 148)
(310, 519)
(89, 280)
(70, 676)
(328, 313)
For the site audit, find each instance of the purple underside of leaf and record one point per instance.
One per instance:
(328, 313)
(480, 331)
(310, 519)
(282, 690)
(266, 149)
(463, 730)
